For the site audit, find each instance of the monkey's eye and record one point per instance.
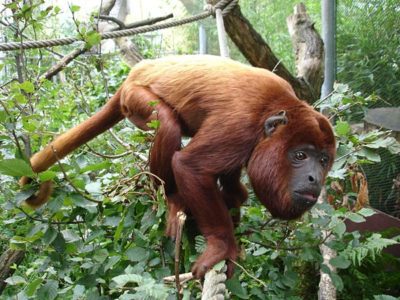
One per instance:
(300, 155)
(324, 160)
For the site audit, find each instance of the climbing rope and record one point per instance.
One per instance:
(214, 285)
(225, 5)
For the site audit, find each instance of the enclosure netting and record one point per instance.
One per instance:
(368, 60)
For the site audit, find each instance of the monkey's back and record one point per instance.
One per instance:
(196, 86)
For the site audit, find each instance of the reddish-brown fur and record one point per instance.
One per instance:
(222, 105)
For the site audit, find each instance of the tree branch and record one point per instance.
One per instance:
(259, 53)
(62, 63)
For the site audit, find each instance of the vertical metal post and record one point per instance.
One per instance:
(329, 38)
(223, 43)
(202, 40)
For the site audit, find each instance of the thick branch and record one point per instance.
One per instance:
(58, 67)
(122, 25)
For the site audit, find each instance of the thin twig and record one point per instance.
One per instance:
(248, 274)
(91, 150)
(121, 142)
(319, 102)
(46, 221)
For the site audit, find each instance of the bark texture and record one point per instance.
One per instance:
(7, 260)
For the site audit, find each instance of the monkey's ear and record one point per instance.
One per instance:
(274, 121)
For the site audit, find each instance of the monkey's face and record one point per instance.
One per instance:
(288, 168)
(288, 184)
(309, 167)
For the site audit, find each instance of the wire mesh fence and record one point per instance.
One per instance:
(368, 60)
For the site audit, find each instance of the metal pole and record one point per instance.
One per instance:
(202, 40)
(329, 38)
(223, 43)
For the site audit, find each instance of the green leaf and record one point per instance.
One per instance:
(70, 236)
(136, 254)
(59, 243)
(236, 288)
(219, 266)
(260, 251)
(16, 167)
(15, 280)
(48, 291)
(29, 124)
(339, 173)
(381, 143)
(92, 38)
(337, 281)
(122, 280)
(340, 262)
(120, 227)
(3, 116)
(341, 88)
(27, 86)
(394, 148)
(101, 255)
(33, 286)
(79, 291)
(342, 128)
(369, 154)
(366, 212)
(49, 236)
(111, 262)
(74, 8)
(96, 167)
(20, 98)
(339, 229)
(154, 124)
(94, 187)
(325, 269)
(47, 175)
(356, 218)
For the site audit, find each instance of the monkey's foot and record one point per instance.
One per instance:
(217, 250)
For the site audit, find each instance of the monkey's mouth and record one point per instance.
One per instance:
(306, 198)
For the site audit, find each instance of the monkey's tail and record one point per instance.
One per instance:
(106, 118)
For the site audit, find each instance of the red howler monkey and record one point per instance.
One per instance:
(237, 116)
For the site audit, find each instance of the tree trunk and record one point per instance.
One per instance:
(259, 53)
(7, 260)
(309, 49)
